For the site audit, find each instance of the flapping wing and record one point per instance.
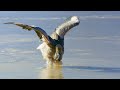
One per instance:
(40, 32)
(62, 29)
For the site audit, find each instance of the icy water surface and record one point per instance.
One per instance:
(92, 49)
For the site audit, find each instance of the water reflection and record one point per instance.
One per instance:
(51, 72)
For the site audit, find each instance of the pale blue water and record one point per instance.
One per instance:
(92, 49)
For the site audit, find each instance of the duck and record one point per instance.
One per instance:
(52, 46)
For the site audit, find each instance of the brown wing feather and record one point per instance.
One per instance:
(40, 32)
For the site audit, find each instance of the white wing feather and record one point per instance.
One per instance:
(62, 29)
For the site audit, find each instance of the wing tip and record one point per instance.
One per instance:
(9, 23)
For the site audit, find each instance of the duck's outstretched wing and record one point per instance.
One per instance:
(62, 29)
(40, 32)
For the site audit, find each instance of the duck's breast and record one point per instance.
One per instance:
(46, 51)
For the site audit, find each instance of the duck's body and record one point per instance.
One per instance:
(47, 52)
(52, 48)
(53, 51)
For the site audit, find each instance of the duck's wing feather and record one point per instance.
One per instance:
(62, 29)
(39, 31)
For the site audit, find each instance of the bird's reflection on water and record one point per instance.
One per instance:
(51, 72)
